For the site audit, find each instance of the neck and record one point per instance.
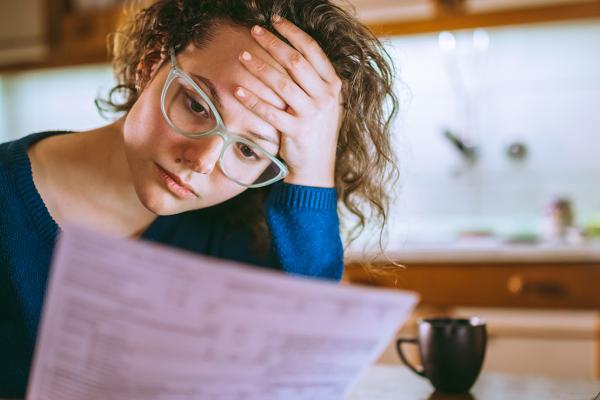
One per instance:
(106, 185)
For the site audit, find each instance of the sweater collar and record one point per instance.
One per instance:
(26, 187)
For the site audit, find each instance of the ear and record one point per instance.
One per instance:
(148, 66)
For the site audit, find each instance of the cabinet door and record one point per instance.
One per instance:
(402, 17)
(504, 5)
(518, 285)
(394, 10)
(22, 31)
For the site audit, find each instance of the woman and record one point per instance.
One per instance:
(244, 123)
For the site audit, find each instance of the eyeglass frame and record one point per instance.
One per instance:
(220, 129)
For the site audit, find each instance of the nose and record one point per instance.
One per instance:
(201, 155)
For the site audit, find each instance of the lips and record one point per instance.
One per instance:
(176, 185)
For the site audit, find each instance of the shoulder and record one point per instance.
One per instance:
(11, 154)
(8, 150)
(15, 151)
(15, 166)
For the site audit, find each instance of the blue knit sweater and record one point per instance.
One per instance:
(302, 220)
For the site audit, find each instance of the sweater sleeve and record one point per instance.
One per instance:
(305, 233)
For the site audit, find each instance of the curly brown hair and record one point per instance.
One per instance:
(365, 165)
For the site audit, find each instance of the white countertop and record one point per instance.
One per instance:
(483, 250)
(394, 382)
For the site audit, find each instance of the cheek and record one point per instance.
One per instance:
(142, 136)
(233, 189)
(144, 127)
(218, 189)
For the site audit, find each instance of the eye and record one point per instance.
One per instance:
(197, 108)
(247, 151)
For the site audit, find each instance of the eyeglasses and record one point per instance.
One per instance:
(190, 112)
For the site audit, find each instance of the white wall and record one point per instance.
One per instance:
(52, 99)
(539, 85)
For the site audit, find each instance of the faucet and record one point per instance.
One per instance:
(467, 151)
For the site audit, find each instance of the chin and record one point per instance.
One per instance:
(161, 209)
(159, 203)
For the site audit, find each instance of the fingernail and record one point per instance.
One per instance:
(276, 18)
(246, 56)
(258, 30)
(240, 92)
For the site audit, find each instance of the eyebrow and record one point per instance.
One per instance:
(215, 95)
(211, 88)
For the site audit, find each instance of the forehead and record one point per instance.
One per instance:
(218, 61)
(218, 58)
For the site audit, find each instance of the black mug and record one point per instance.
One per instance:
(451, 350)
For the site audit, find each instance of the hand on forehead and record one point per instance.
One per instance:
(218, 61)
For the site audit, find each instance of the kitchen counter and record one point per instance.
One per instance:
(484, 250)
(487, 273)
(497, 275)
(387, 382)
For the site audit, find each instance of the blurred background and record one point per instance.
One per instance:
(498, 136)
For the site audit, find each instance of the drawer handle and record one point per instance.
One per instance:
(518, 286)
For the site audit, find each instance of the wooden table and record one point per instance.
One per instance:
(390, 382)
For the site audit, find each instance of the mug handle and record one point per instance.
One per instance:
(418, 370)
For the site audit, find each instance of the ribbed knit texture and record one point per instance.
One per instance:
(302, 220)
(296, 196)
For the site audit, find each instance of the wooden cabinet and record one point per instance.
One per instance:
(64, 36)
(68, 36)
(488, 284)
(83, 36)
(503, 5)
(23, 31)
(374, 11)
(400, 17)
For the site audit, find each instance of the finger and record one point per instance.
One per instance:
(292, 60)
(308, 46)
(281, 83)
(264, 92)
(280, 120)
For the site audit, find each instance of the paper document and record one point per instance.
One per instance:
(129, 320)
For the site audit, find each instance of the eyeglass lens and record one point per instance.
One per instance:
(242, 160)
